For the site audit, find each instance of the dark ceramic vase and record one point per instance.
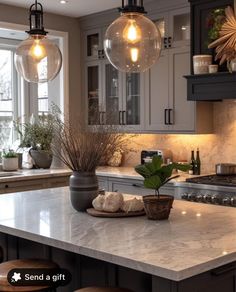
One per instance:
(83, 190)
(41, 158)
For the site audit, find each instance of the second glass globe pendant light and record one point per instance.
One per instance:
(37, 58)
(132, 42)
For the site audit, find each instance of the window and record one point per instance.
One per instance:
(43, 98)
(8, 106)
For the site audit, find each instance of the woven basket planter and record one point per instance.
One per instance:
(158, 207)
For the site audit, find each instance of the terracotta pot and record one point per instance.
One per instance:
(83, 190)
(158, 207)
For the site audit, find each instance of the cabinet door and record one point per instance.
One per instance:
(182, 111)
(157, 95)
(179, 27)
(93, 44)
(133, 96)
(162, 24)
(112, 85)
(103, 183)
(93, 92)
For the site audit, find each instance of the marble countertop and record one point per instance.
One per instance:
(196, 238)
(30, 174)
(105, 171)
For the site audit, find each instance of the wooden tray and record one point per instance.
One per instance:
(102, 214)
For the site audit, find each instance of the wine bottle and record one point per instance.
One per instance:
(192, 163)
(198, 163)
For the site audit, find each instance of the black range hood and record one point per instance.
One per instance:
(211, 87)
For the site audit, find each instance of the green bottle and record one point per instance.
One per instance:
(192, 163)
(198, 164)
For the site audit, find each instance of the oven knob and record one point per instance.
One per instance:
(192, 197)
(184, 196)
(233, 201)
(206, 198)
(199, 198)
(215, 199)
(226, 201)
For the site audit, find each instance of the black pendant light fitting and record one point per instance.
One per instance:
(36, 20)
(135, 6)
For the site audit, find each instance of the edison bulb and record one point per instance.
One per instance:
(132, 32)
(37, 50)
(38, 59)
(134, 52)
(132, 43)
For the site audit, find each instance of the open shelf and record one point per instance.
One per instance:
(210, 87)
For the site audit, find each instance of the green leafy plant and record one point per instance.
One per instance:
(9, 154)
(156, 174)
(37, 134)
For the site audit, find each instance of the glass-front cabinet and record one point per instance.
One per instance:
(113, 97)
(174, 27)
(94, 103)
(112, 85)
(132, 98)
(179, 27)
(93, 44)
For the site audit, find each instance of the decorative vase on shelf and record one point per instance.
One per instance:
(83, 189)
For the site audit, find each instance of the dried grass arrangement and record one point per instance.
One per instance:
(81, 149)
(226, 43)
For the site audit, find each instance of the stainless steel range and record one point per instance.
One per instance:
(211, 189)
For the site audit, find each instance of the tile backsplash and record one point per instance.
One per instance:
(214, 148)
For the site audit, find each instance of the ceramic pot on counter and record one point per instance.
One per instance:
(83, 189)
(10, 164)
(41, 158)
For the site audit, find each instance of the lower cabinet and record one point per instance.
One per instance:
(131, 186)
(34, 184)
(217, 280)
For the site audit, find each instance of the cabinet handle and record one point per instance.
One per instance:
(169, 42)
(165, 43)
(104, 118)
(223, 270)
(170, 117)
(137, 186)
(166, 114)
(100, 118)
(120, 118)
(124, 117)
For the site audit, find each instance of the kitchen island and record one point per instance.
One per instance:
(168, 256)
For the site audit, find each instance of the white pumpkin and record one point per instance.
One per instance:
(132, 205)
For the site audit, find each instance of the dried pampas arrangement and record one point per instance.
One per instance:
(226, 43)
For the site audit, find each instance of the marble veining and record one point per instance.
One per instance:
(196, 238)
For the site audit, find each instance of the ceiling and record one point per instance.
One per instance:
(74, 8)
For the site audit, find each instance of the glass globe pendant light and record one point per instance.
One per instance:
(37, 58)
(132, 42)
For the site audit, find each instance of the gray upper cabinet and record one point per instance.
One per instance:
(150, 102)
(167, 109)
(112, 97)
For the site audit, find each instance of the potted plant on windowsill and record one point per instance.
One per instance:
(37, 135)
(9, 160)
(156, 175)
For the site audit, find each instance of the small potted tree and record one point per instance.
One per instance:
(156, 175)
(9, 160)
(37, 135)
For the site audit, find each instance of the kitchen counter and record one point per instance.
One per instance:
(177, 249)
(31, 174)
(103, 171)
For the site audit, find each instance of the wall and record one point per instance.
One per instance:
(19, 15)
(215, 148)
